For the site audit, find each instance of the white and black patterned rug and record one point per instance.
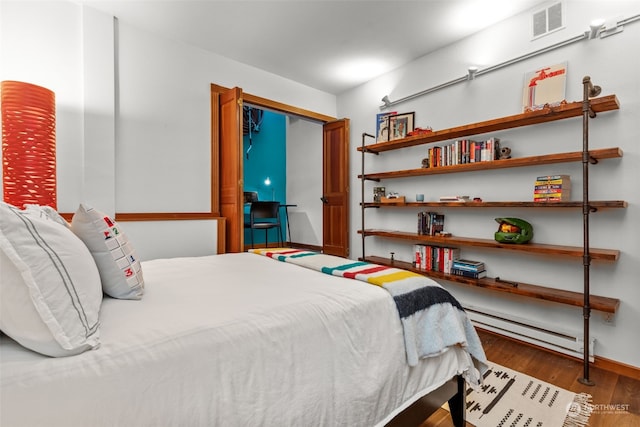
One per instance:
(508, 398)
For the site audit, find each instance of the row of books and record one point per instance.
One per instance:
(446, 260)
(552, 188)
(430, 223)
(435, 258)
(463, 151)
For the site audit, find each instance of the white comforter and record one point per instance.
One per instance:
(229, 340)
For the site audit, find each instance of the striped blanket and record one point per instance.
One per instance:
(432, 319)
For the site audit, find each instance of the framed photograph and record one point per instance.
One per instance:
(382, 126)
(400, 125)
(378, 194)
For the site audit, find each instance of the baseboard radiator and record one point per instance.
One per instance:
(563, 341)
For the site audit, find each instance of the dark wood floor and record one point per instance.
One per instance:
(616, 396)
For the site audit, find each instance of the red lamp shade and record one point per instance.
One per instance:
(28, 144)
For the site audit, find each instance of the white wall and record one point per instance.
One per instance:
(42, 44)
(133, 109)
(611, 64)
(304, 180)
(167, 239)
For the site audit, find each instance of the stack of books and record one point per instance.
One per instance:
(552, 188)
(468, 268)
(430, 223)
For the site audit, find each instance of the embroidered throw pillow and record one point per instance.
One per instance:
(117, 261)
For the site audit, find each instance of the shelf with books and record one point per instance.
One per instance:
(586, 109)
(600, 303)
(547, 159)
(549, 114)
(528, 248)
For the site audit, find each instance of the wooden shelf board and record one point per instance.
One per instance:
(604, 304)
(547, 159)
(572, 109)
(598, 204)
(530, 248)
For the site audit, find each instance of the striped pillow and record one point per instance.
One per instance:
(50, 293)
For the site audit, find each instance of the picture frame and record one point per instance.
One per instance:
(378, 194)
(400, 125)
(382, 126)
(545, 86)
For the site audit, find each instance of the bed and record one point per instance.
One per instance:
(237, 339)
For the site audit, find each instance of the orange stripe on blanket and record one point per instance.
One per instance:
(271, 252)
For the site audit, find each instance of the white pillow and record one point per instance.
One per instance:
(50, 292)
(46, 212)
(117, 262)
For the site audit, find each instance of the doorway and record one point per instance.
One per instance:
(227, 166)
(265, 167)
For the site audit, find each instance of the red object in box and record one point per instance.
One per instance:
(28, 144)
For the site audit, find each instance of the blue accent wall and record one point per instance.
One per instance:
(267, 158)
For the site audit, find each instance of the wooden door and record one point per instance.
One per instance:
(231, 172)
(335, 187)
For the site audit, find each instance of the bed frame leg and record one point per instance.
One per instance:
(458, 405)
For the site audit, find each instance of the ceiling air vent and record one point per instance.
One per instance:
(547, 20)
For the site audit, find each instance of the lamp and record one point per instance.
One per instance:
(595, 28)
(387, 102)
(267, 183)
(28, 144)
(471, 72)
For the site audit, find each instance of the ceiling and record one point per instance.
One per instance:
(330, 45)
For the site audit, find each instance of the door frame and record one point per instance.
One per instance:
(256, 101)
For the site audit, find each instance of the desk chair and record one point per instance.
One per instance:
(265, 216)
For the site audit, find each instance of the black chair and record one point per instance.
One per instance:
(265, 216)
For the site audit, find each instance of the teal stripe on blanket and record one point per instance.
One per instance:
(330, 270)
(303, 254)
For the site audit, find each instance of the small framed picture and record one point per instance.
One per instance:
(382, 126)
(544, 87)
(400, 125)
(378, 194)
